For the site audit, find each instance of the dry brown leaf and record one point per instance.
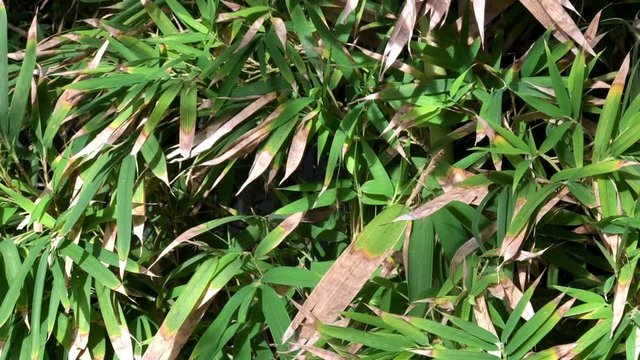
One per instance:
(481, 313)
(138, 213)
(165, 347)
(620, 295)
(483, 319)
(231, 5)
(251, 33)
(506, 290)
(109, 238)
(470, 246)
(401, 34)
(78, 345)
(281, 31)
(467, 195)
(321, 353)
(298, 145)
(568, 5)
(336, 290)
(478, 12)
(225, 128)
(436, 10)
(348, 8)
(527, 255)
(592, 31)
(247, 142)
(551, 14)
(405, 68)
(339, 286)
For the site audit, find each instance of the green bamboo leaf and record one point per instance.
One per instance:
(600, 168)
(211, 341)
(158, 113)
(608, 117)
(28, 206)
(92, 266)
(275, 315)
(4, 67)
(554, 134)
(124, 196)
(527, 332)
(337, 52)
(582, 295)
(526, 212)
(155, 158)
(341, 142)
(277, 235)
(542, 331)
(628, 137)
(21, 94)
(186, 303)
(517, 312)
(577, 141)
(275, 50)
(559, 89)
(451, 334)
(159, 17)
(475, 330)
(576, 83)
(422, 256)
(116, 329)
(450, 354)
(406, 329)
(114, 81)
(96, 175)
(608, 196)
(291, 276)
(184, 15)
(382, 341)
(11, 297)
(37, 345)
(542, 106)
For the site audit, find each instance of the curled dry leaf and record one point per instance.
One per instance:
(339, 286)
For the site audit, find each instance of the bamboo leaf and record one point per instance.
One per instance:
(21, 94)
(124, 196)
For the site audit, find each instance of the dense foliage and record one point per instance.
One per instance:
(337, 179)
